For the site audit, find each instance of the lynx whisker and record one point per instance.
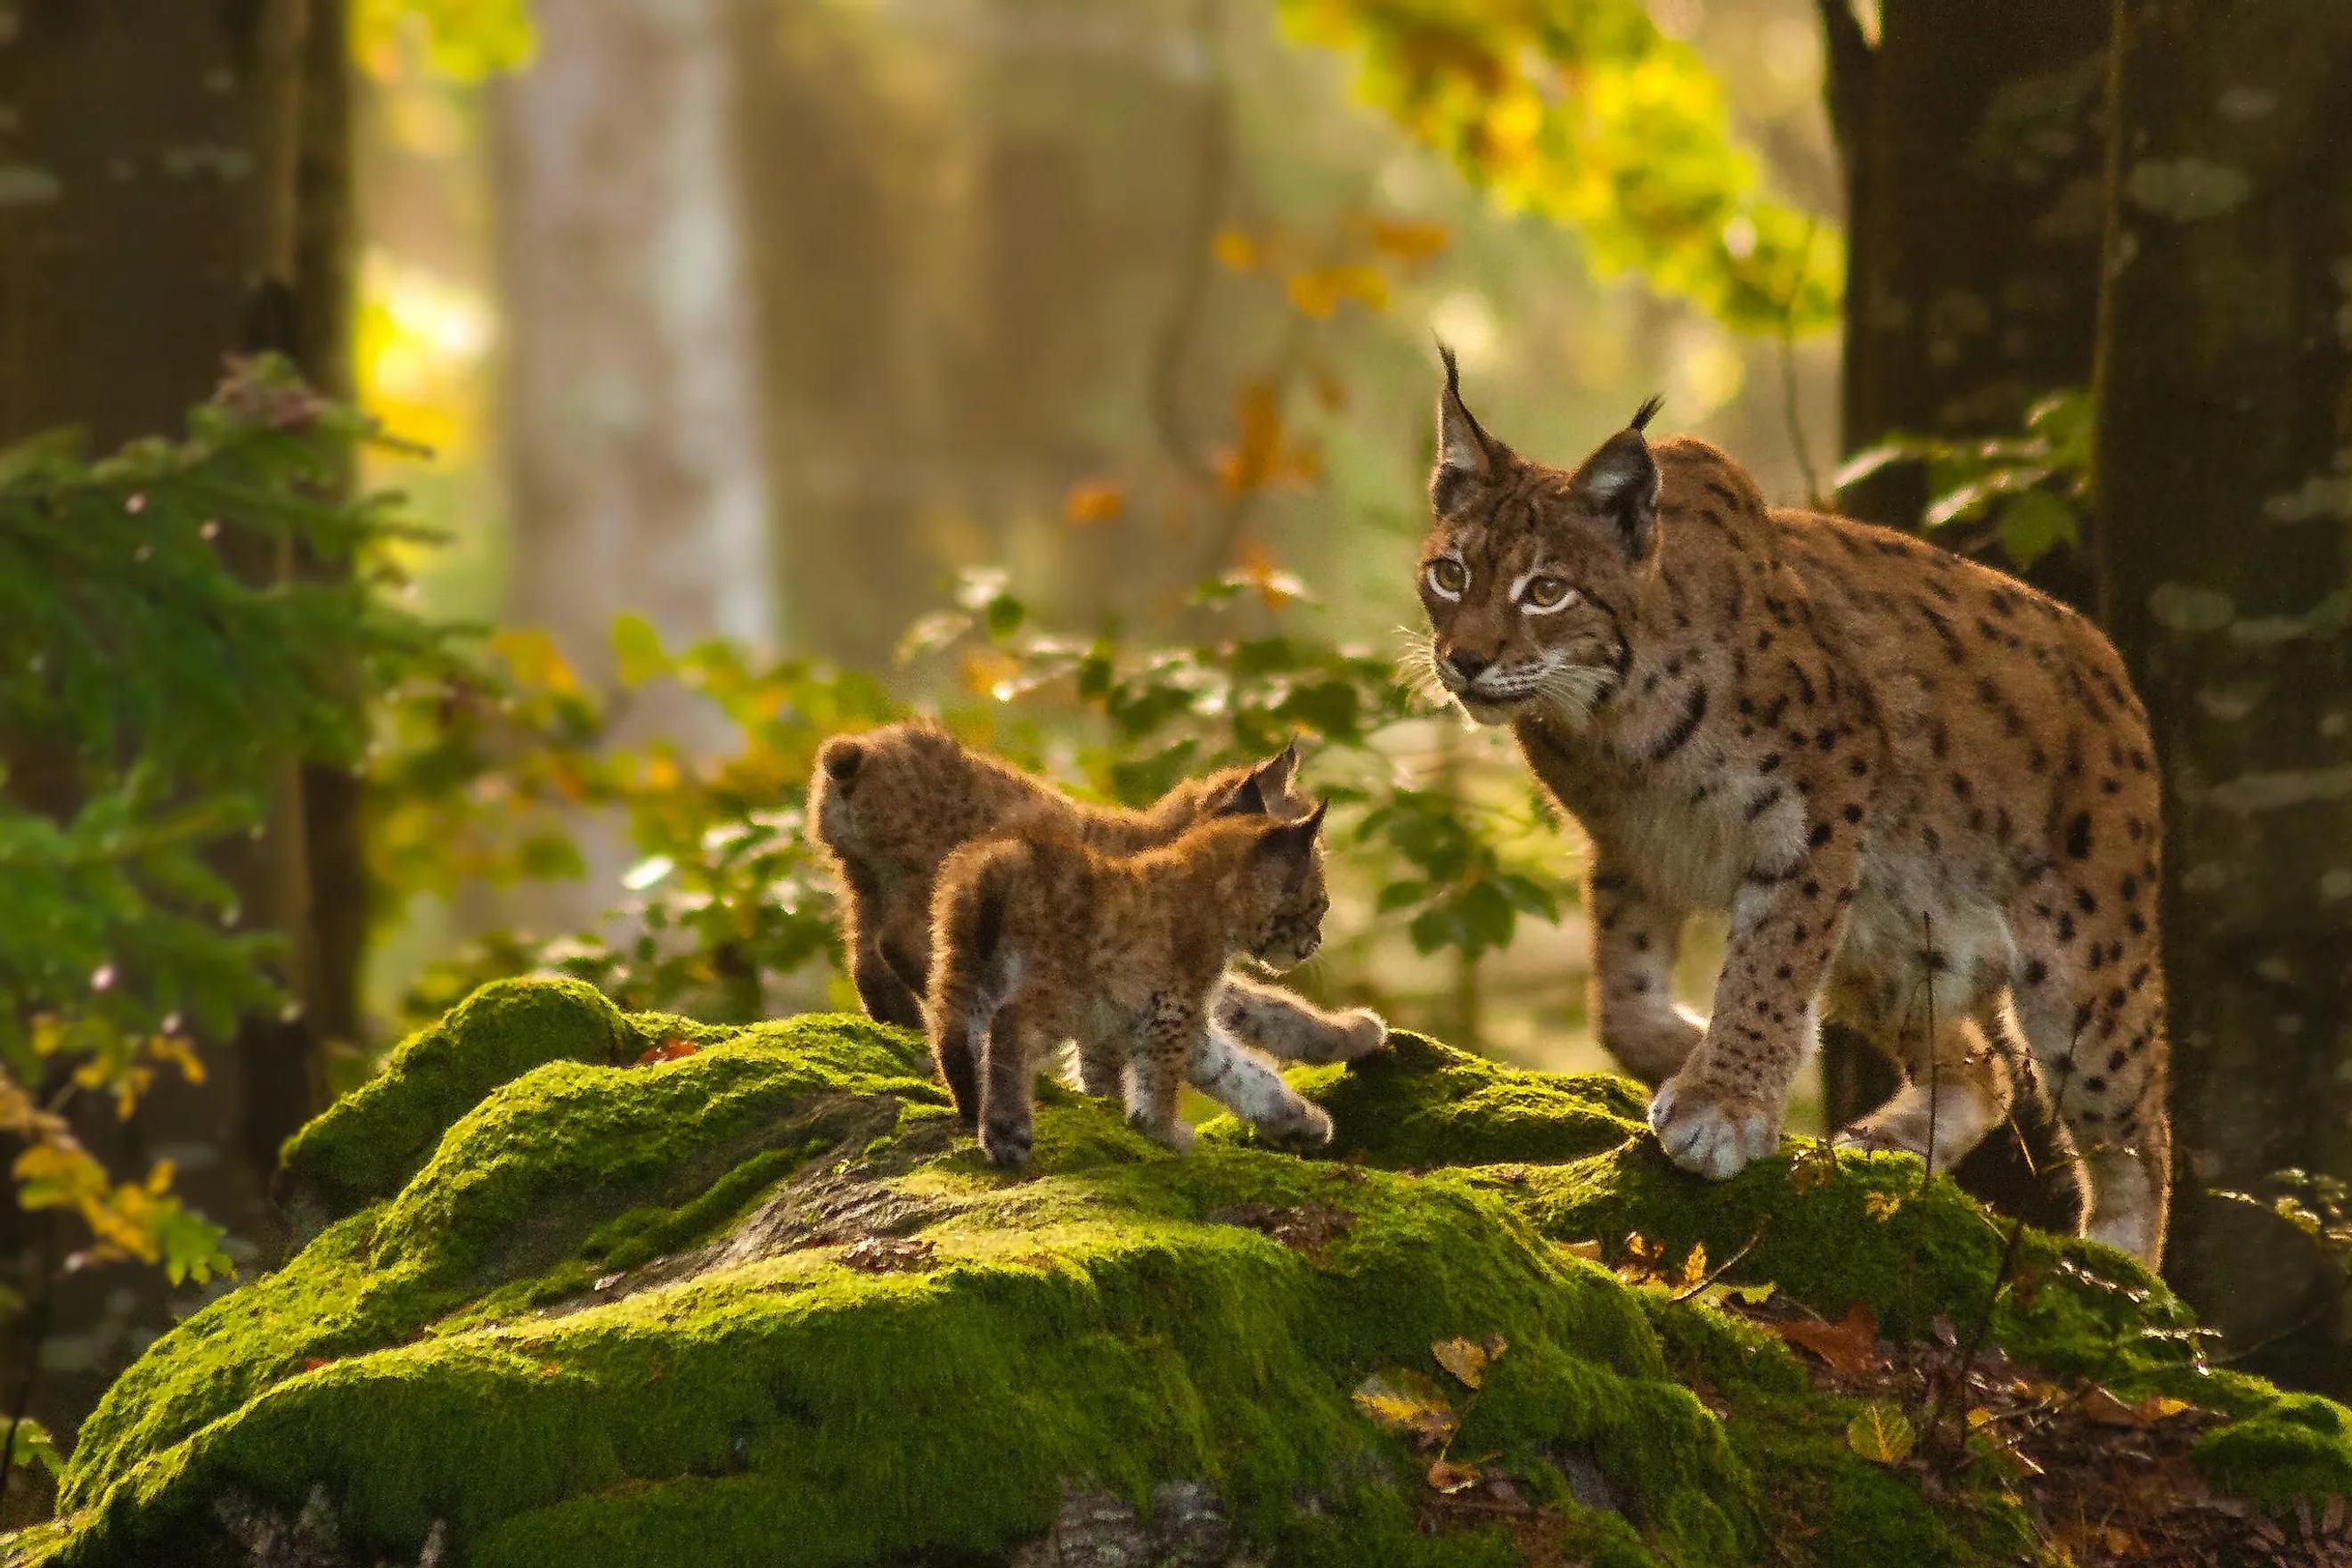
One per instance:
(1573, 690)
(1416, 667)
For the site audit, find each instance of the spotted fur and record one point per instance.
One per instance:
(1040, 937)
(1924, 793)
(891, 804)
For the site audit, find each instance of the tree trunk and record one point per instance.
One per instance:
(631, 391)
(1972, 142)
(169, 193)
(2224, 426)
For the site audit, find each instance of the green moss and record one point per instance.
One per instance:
(2296, 1447)
(604, 1313)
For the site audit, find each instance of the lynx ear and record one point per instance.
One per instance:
(1293, 842)
(1247, 800)
(1466, 455)
(1273, 776)
(1622, 478)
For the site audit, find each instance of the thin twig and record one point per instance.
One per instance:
(2001, 1280)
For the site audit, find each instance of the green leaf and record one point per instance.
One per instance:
(1433, 929)
(1529, 896)
(1487, 917)
(1141, 782)
(2035, 522)
(1330, 707)
(1400, 895)
(639, 647)
(31, 1445)
(1006, 614)
(1881, 1434)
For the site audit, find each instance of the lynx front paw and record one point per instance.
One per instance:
(1364, 1032)
(1711, 1131)
(1305, 1126)
(1176, 1136)
(1006, 1141)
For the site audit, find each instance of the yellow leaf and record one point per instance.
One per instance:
(1236, 250)
(1093, 501)
(1881, 1434)
(1322, 290)
(1450, 1478)
(1694, 1267)
(1405, 1401)
(1406, 241)
(1462, 1358)
(1882, 1206)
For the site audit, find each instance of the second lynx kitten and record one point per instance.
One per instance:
(1041, 938)
(891, 804)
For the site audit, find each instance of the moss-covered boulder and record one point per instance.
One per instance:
(593, 1289)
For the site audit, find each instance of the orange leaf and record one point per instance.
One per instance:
(1450, 1478)
(1093, 501)
(1406, 241)
(1464, 1358)
(1236, 250)
(1850, 1346)
(2109, 1411)
(313, 1364)
(669, 1050)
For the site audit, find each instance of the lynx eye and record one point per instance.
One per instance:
(1449, 578)
(1548, 594)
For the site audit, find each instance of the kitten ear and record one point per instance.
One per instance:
(1293, 842)
(1273, 776)
(1621, 480)
(1466, 455)
(1247, 800)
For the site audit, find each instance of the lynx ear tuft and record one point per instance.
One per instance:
(1466, 455)
(1648, 410)
(1273, 776)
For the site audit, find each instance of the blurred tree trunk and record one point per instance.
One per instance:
(171, 192)
(631, 415)
(1973, 141)
(2225, 437)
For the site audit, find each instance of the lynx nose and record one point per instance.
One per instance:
(1467, 665)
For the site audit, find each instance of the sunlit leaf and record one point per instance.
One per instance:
(1404, 1401)
(1467, 1360)
(1449, 1477)
(1849, 1345)
(1881, 1434)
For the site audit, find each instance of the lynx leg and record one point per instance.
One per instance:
(1285, 1025)
(887, 997)
(2098, 1042)
(1247, 1085)
(1636, 940)
(1102, 1070)
(1962, 1092)
(1007, 1087)
(1164, 1044)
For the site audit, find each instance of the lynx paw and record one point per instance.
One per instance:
(1007, 1140)
(1306, 1125)
(1874, 1136)
(1176, 1136)
(1712, 1132)
(1364, 1032)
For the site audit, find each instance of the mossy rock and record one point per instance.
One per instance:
(763, 1303)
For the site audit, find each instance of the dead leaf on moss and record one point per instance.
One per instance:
(1467, 1358)
(1449, 1477)
(1308, 1228)
(1849, 1345)
(1405, 1401)
(669, 1050)
(2109, 1411)
(1588, 1251)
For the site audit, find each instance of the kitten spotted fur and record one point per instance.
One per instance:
(1040, 937)
(891, 804)
(1920, 790)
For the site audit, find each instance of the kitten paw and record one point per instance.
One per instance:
(1365, 1032)
(1711, 1131)
(1007, 1142)
(1309, 1126)
(1176, 1137)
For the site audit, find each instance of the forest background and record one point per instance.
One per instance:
(730, 371)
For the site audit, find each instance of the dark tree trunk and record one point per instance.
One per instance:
(173, 190)
(2225, 417)
(1972, 142)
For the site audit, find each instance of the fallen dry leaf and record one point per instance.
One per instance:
(1849, 1345)
(669, 1050)
(1588, 1251)
(1467, 1358)
(1407, 1401)
(1881, 1434)
(1449, 1478)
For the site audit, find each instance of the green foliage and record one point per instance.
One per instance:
(1582, 111)
(729, 894)
(2027, 493)
(466, 40)
(176, 622)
